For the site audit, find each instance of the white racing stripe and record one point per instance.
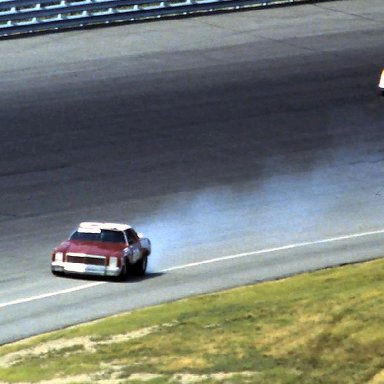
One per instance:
(191, 265)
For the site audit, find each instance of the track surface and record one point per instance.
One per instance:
(215, 136)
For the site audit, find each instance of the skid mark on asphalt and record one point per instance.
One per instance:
(210, 261)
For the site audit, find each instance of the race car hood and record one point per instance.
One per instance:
(92, 247)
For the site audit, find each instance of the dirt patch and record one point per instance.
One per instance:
(60, 346)
(378, 378)
(188, 378)
(182, 378)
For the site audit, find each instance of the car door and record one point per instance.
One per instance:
(134, 245)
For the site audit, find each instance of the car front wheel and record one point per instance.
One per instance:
(141, 266)
(123, 273)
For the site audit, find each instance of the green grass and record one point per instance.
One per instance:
(323, 327)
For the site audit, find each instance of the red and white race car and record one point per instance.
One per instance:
(381, 83)
(102, 249)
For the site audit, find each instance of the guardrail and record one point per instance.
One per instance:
(26, 16)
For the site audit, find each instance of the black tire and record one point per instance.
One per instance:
(123, 273)
(55, 273)
(140, 267)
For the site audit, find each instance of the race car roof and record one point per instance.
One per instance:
(92, 226)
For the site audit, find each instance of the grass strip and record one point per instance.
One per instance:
(321, 327)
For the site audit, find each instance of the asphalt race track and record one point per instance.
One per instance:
(247, 146)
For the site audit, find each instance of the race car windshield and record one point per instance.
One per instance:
(104, 236)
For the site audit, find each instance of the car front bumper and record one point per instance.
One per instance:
(84, 269)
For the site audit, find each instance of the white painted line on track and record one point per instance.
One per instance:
(276, 249)
(51, 294)
(191, 265)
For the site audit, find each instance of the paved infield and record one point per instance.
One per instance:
(256, 133)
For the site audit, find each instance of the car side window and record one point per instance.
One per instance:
(132, 236)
